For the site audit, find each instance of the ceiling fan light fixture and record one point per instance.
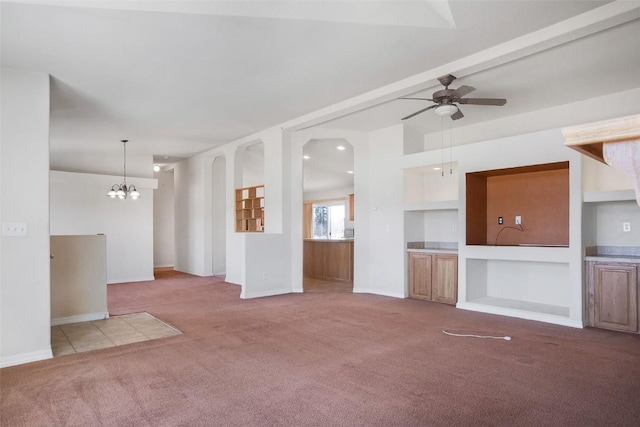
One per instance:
(446, 110)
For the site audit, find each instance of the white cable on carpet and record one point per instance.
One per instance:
(507, 338)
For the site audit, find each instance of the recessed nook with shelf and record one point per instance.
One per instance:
(426, 188)
(250, 209)
(538, 194)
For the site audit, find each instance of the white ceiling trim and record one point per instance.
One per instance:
(604, 17)
(405, 13)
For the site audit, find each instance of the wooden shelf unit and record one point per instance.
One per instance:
(250, 209)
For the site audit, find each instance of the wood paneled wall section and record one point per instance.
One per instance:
(476, 209)
(537, 193)
(541, 198)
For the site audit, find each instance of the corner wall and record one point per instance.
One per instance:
(80, 206)
(25, 320)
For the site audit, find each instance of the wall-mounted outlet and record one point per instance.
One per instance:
(518, 220)
(626, 227)
(500, 220)
(14, 229)
(264, 275)
(454, 227)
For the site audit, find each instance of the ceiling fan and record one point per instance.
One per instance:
(446, 100)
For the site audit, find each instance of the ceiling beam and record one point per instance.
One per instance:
(608, 16)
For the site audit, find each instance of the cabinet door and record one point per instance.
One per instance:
(444, 286)
(420, 276)
(616, 297)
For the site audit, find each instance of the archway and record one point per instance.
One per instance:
(328, 222)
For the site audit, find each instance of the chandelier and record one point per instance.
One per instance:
(122, 191)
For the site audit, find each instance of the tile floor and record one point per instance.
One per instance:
(111, 332)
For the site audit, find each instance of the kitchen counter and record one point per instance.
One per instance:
(433, 247)
(630, 254)
(328, 259)
(330, 240)
(613, 258)
(434, 250)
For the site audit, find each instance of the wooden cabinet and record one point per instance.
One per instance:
(328, 259)
(612, 296)
(433, 277)
(250, 209)
(444, 286)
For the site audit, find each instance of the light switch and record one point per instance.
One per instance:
(14, 229)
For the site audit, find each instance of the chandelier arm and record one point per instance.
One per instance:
(124, 174)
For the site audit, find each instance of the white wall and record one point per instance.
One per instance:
(25, 321)
(334, 193)
(384, 214)
(609, 219)
(79, 205)
(219, 216)
(441, 226)
(163, 221)
(189, 216)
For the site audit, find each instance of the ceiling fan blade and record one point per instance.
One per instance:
(457, 115)
(483, 101)
(420, 99)
(418, 112)
(463, 90)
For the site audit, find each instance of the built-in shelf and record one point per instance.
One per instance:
(555, 310)
(250, 209)
(608, 196)
(537, 253)
(444, 205)
(559, 315)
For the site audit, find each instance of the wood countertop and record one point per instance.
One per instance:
(329, 240)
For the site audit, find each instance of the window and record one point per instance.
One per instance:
(328, 220)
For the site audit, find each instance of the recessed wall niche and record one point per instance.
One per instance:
(538, 194)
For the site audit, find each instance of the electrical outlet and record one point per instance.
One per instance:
(454, 227)
(500, 220)
(626, 227)
(518, 220)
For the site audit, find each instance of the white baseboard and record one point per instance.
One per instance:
(79, 318)
(163, 266)
(378, 292)
(133, 279)
(267, 293)
(19, 359)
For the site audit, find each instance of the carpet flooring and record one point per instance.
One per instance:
(327, 359)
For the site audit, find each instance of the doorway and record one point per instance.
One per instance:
(328, 227)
